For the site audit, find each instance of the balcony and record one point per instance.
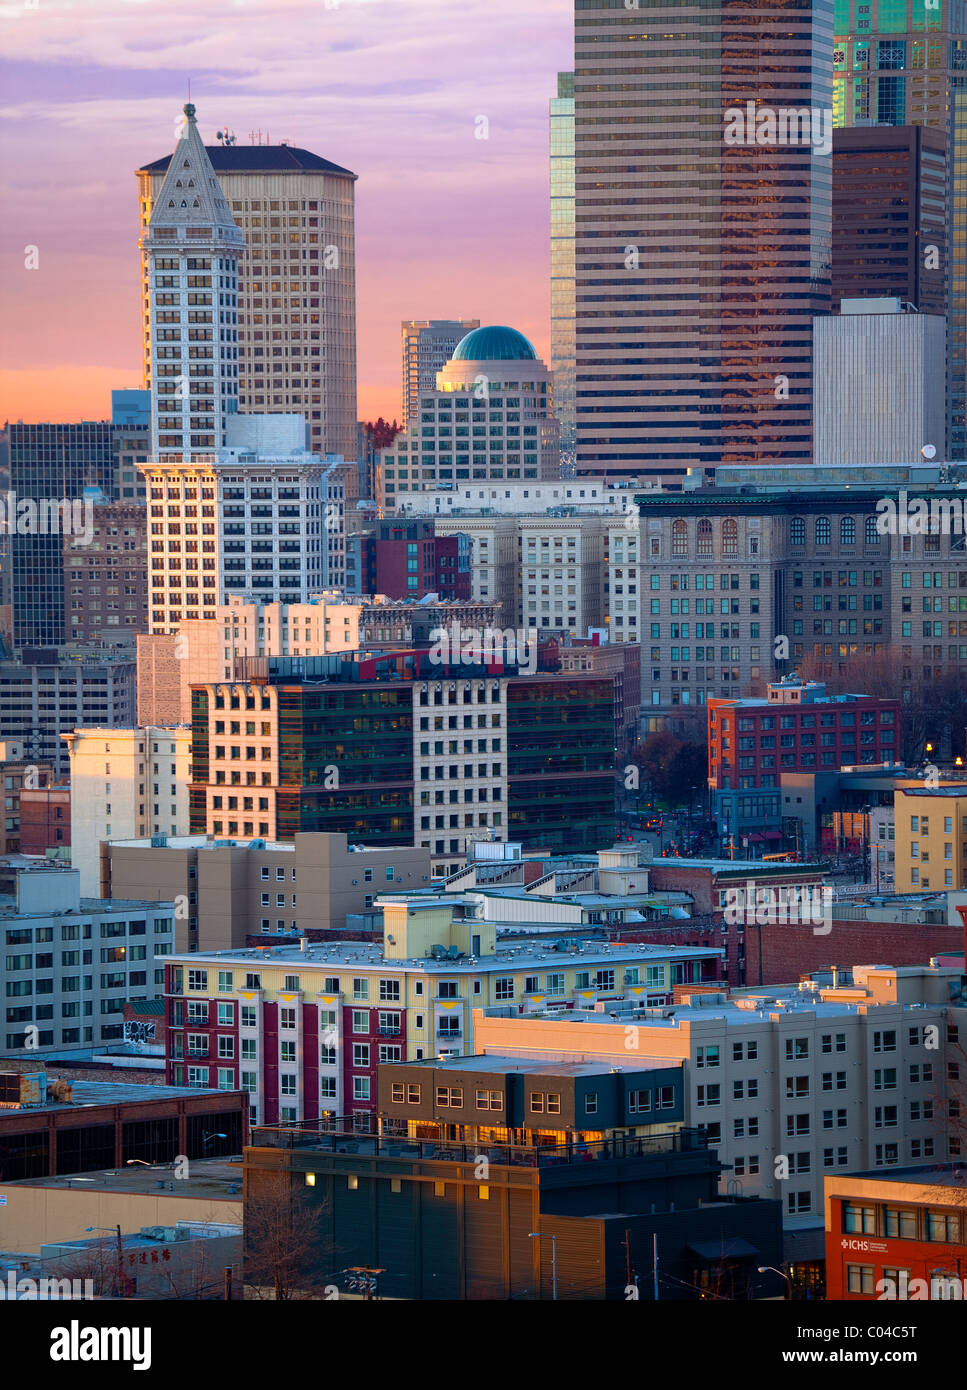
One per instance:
(449, 1033)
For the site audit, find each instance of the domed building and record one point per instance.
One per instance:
(489, 418)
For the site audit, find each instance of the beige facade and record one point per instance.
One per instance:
(791, 1082)
(930, 848)
(125, 782)
(226, 891)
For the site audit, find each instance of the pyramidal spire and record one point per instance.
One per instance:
(191, 194)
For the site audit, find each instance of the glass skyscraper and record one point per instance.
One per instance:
(702, 242)
(903, 62)
(562, 259)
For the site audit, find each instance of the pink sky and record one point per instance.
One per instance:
(447, 225)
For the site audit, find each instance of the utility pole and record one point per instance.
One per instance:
(654, 1261)
(627, 1245)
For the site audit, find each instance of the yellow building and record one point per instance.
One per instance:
(931, 837)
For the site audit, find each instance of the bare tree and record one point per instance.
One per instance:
(284, 1248)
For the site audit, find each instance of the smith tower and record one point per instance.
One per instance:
(192, 247)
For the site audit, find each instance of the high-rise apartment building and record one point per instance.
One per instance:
(50, 693)
(702, 231)
(295, 286)
(490, 415)
(903, 62)
(562, 257)
(889, 210)
(427, 345)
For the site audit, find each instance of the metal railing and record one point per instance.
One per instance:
(308, 1134)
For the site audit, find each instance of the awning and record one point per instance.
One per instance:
(772, 834)
(735, 1248)
(754, 839)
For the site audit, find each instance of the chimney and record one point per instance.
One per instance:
(962, 909)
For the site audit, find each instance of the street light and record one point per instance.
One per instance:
(771, 1269)
(536, 1235)
(117, 1230)
(209, 1135)
(143, 1162)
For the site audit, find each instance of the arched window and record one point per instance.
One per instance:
(871, 531)
(730, 537)
(823, 530)
(680, 538)
(797, 531)
(847, 530)
(705, 539)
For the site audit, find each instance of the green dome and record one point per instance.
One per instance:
(494, 344)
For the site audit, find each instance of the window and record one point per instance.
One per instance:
(639, 1102)
(796, 1048)
(389, 990)
(591, 1103)
(707, 1057)
(857, 1219)
(859, 1278)
(360, 1054)
(449, 1097)
(504, 988)
(885, 1040)
(360, 989)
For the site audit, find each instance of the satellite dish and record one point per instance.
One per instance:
(929, 451)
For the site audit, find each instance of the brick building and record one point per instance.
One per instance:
(796, 728)
(45, 819)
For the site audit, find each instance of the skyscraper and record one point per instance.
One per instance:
(903, 62)
(50, 461)
(702, 230)
(191, 250)
(427, 345)
(296, 296)
(562, 256)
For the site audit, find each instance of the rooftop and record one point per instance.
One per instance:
(208, 1178)
(324, 955)
(258, 159)
(537, 1066)
(88, 1093)
(494, 344)
(952, 1175)
(89, 907)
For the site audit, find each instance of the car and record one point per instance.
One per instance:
(653, 823)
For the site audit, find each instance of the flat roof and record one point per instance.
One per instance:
(328, 954)
(88, 907)
(209, 1178)
(929, 1174)
(534, 1066)
(87, 1093)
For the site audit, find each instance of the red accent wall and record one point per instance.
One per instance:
(790, 951)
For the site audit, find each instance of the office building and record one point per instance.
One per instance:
(125, 783)
(796, 727)
(406, 748)
(889, 207)
(54, 692)
(296, 283)
(489, 416)
(209, 649)
(236, 890)
(190, 246)
(902, 64)
(562, 258)
(898, 1235)
(880, 388)
(106, 578)
(275, 528)
(131, 440)
(781, 556)
(51, 463)
(407, 559)
(306, 1026)
(77, 959)
(700, 259)
(427, 345)
(930, 849)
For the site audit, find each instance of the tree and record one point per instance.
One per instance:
(283, 1250)
(672, 766)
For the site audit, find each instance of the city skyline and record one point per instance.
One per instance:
(74, 137)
